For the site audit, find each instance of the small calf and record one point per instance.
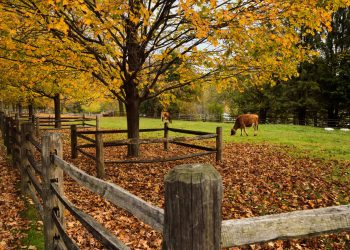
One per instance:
(165, 116)
(246, 120)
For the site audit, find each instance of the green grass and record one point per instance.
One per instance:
(35, 235)
(304, 140)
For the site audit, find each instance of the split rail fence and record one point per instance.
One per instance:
(191, 218)
(97, 142)
(49, 122)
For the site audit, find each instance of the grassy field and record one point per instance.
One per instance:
(304, 140)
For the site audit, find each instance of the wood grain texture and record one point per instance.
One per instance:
(68, 242)
(100, 165)
(219, 144)
(51, 145)
(193, 194)
(26, 148)
(35, 143)
(296, 224)
(96, 229)
(142, 210)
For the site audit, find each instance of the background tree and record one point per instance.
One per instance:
(130, 46)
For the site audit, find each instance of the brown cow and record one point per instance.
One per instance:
(246, 120)
(165, 116)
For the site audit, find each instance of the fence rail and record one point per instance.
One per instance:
(199, 212)
(99, 144)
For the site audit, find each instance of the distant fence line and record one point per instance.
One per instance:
(317, 120)
(311, 120)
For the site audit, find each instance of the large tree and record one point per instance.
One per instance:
(131, 46)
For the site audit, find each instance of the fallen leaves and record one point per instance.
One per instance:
(258, 180)
(11, 223)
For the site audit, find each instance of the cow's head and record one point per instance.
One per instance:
(233, 131)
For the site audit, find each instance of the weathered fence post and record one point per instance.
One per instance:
(166, 133)
(100, 161)
(7, 134)
(51, 144)
(16, 136)
(26, 147)
(2, 123)
(73, 141)
(97, 122)
(219, 144)
(193, 194)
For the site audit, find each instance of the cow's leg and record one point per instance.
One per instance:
(245, 131)
(255, 129)
(241, 131)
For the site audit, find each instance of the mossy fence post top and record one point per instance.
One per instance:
(192, 219)
(181, 172)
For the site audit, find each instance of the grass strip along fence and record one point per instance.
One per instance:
(99, 145)
(191, 218)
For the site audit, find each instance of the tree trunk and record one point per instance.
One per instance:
(121, 108)
(57, 103)
(30, 110)
(133, 122)
(20, 109)
(262, 115)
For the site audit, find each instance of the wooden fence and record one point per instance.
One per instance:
(191, 218)
(49, 122)
(99, 145)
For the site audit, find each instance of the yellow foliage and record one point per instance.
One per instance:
(143, 49)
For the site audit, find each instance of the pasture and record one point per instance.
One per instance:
(303, 141)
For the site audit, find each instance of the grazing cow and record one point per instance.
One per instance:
(246, 120)
(165, 116)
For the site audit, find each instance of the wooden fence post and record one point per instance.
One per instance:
(16, 151)
(26, 147)
(193, 194)
(51, 144)
(2, 123)
(166, 133)
(7, 134)
(97, 122)
(100, 161)
(74, 141)
(219, 144)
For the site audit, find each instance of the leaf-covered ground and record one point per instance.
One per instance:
(11, 204)
(257, 179)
